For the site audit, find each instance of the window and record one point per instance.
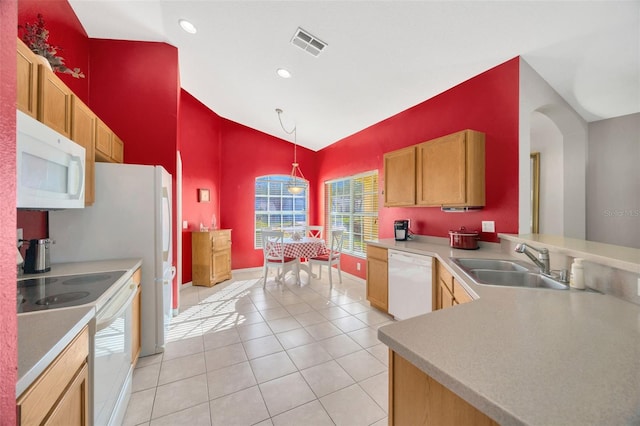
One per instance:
(275, 207)
(351, 204)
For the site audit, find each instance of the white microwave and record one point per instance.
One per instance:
(50, 167)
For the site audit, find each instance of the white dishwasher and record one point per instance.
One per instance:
(410, 284)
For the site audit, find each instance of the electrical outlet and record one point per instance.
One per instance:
(638, 286)
(358, 268)
(20, 237)
(488, 226)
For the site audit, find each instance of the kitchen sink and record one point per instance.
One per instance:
(515, 279)
(492, 264)
(506, 273)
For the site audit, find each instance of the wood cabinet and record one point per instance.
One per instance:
(417, 399)
(450, 171)
(27, 80)
(449, 292)
(109, 147)
(54, 102)
(136, 319)
(60, 395)
(211, 257)
(443, 172)
(83, 132)
(378, 277)
(400, 177)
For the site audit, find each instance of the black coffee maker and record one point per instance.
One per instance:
(401, 229)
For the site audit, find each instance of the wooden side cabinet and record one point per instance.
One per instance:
(136, 319)
(400, 177)
(211, 257)
(451, 171)
(83, 132)
(378, 278)
(60, 395)
(416, 399)
(449, 292)
(27, 80)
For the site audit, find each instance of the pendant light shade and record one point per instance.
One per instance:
(297, 181)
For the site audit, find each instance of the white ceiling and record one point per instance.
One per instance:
(382, 56)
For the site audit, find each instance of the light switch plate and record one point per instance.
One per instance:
(488, 226)
(638, 286)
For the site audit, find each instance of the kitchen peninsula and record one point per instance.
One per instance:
(524, 356)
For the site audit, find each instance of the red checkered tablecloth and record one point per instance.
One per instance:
(306, 247)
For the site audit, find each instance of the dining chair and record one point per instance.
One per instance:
(314, 231)
(332, 256)
(273, 249)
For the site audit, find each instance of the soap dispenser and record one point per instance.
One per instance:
(577, 274)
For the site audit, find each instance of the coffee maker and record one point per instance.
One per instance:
(401, 229)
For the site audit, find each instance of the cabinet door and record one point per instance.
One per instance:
(441, 171)
(378, 283)
(72, 409)
(400, 177)
(103, 141)
(221, 270)
(136, 333)
(459, 293)
(27, 81)
(83, 132)
(446, 298)
(54, 102)
(117, 149)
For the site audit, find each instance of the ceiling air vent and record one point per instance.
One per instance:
(308, 42)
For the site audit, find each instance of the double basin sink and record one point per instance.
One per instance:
(507, 273)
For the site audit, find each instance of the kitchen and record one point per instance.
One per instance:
(499, 208)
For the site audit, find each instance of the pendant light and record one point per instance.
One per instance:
(297, 181)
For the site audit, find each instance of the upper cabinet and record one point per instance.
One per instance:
(400, 177)
(27, 80)
(109, 147)
(42, 95)
(83, 132)
(443, 172)
(54, 102)
(450, 171)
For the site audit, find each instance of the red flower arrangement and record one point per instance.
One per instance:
(36, 37)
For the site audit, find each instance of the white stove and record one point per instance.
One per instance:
(42, 293)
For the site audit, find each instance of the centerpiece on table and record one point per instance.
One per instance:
(36, 37)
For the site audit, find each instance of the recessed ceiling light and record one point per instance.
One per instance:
(283, 73)
(187, 26)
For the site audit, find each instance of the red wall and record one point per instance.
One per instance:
(487, 103)
(8, 316)
(246, 154)
(199, 131)
(65, 31)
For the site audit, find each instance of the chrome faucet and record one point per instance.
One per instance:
(541, 261)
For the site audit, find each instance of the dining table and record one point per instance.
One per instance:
(304, 248)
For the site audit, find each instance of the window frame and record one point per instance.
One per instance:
(350, 246)
(283, 180)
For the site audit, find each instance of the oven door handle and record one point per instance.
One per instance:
(115, 309)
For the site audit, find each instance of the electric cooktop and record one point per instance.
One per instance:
(42, 293)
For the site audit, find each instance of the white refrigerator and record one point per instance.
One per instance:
(131, 217)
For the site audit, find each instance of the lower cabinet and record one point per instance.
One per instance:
(417, 399)
(211, 257)
(378, 278)
(60, 395)
(449, 292)
(136, 320)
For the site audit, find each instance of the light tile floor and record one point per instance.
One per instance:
(288, 354)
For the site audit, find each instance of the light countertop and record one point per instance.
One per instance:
(42, 335)
(527, 356)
